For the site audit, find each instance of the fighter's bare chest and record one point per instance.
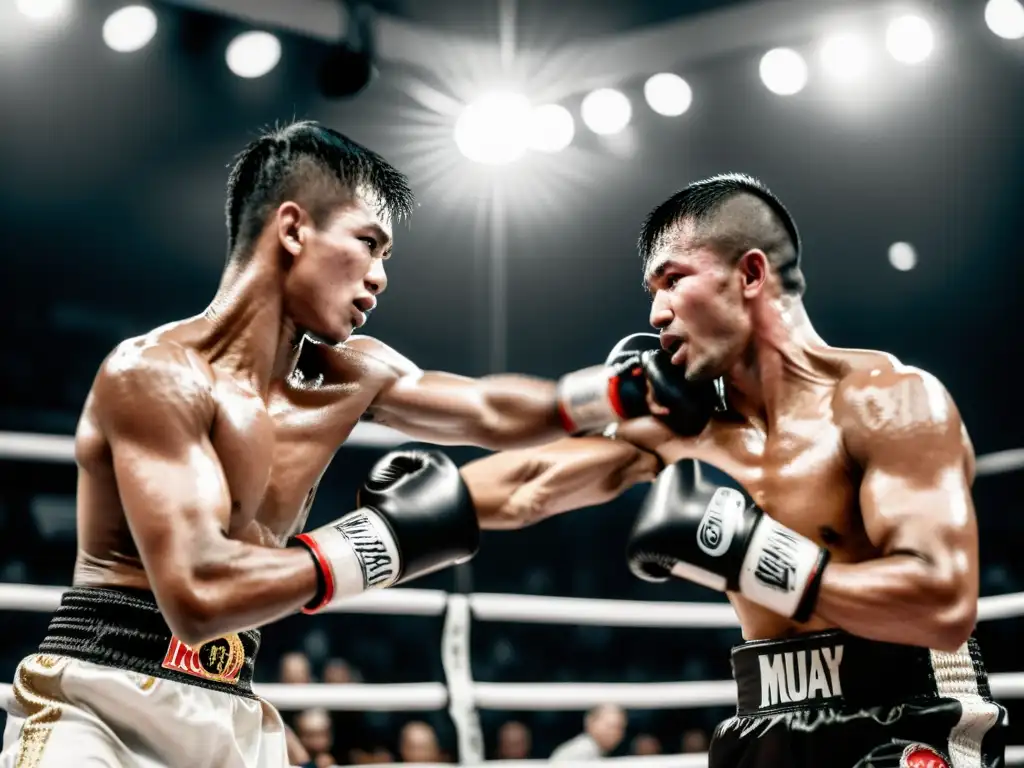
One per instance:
(274, 453)
(799, 473)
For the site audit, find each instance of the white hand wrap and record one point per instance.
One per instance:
(354, 553)
(586, 400)
(779, 567)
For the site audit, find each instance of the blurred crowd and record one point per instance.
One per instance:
(321, 738)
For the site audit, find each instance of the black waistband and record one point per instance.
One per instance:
(124, 628)
(835, 669)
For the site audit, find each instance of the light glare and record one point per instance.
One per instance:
(551, 128)
(783, 71)
(1005, 18)
(129, 28)
(668, 94)
(606, 111)
(253, 54)
(910, 39)
(495, 130)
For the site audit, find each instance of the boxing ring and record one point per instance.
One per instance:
(460, 695)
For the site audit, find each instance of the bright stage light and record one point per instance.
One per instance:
(606, 111)
(129, 28)
(1005, 18)
(846, 57)
(668, 94)
(253, 54)
(783, 71)
(910, 39)
(902, 256)
(496, 129)
(44, 10)
(551, 128)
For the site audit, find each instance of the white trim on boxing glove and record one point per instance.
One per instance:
(779, 567)
(355, 553)
(587, 400)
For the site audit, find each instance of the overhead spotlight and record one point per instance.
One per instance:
(551, 128)
(129, 28)
(44, 10)
(846, 57)
(495, 129)
(902, 256)
(910, 39)
(668, 94)
(606, 111)
(1005, 18)
(783, 71)
(253, 54)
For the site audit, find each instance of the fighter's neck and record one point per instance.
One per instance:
(784, 357)
(249, 332)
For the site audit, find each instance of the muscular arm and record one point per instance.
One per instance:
(156, 411)
(904, 430)
(518, 488)
(496, 412)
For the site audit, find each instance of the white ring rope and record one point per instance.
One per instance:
(60, 449)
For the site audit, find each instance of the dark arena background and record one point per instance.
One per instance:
(537, 135)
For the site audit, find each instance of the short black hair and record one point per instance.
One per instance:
(312, 164)
(763, 222)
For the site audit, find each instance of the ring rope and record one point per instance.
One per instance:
(60, 449)
(528, 609)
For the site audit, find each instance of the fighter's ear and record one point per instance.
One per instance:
(753, 268)
(291, 222)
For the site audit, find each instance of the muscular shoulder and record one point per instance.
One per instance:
(144, 376)
(897, 408)
(379, 352)
(374, 361)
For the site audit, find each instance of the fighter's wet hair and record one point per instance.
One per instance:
(734, 213)
(313, 165)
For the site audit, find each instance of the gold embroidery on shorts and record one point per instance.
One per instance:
(41, 706)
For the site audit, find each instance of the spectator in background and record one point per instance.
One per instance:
(418, 743)
(514, 741)
(645, 744)
(340, 672)
(313, 727)
(295, 669)
(695, 740)
(603, 730)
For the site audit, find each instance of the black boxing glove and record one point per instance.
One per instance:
(718, 538)
(415, 516)
(595, 397)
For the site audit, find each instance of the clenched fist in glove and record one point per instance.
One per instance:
(415, 516)
(717, 537)
(596, 397)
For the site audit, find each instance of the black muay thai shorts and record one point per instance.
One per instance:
(831, 700)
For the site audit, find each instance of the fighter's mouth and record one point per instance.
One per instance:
(671, 343)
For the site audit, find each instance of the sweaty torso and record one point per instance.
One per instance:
(796, 469)
(273, 450)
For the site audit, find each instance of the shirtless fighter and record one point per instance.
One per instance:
(199, 451)
(828, 495)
